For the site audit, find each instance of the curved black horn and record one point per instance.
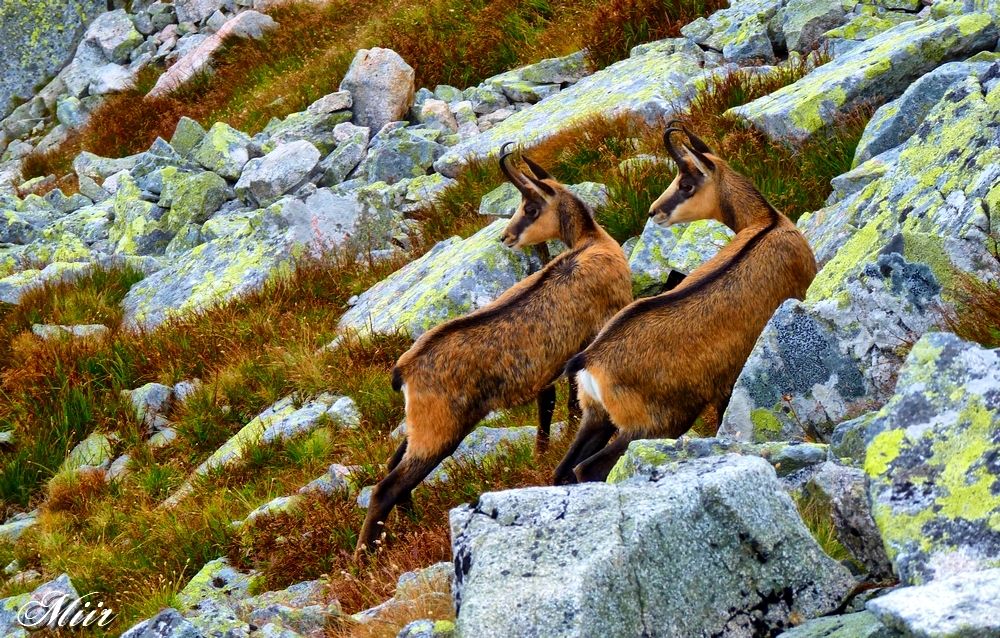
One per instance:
(539, 172)
(670, 145)
(512, 176)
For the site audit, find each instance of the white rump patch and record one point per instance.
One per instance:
(586, 382)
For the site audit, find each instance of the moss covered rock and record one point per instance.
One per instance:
(678, 249)
(931, 461)
(651, 85)
(881, 68)
(452, 279)
(223, 150)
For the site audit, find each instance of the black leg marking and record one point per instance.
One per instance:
(546, 406)
(598, 466)
(573, 402)
(595, 432)
(397, 456)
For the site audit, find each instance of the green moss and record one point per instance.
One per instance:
(766, 426)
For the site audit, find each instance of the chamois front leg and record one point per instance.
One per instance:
(595, 432)
(546, 406)
(598, 466)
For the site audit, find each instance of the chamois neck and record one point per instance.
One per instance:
(742, 204)
(576, 221)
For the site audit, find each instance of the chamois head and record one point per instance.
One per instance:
(694, 193)
(537, 217)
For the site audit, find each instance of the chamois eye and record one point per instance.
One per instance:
(531, 210)
(687, 187)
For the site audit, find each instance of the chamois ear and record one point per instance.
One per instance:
(546, 190)
(538, 171)
(696, 143)
(701, 162)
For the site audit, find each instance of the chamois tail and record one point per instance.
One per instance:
(397, 379)
(577, 363)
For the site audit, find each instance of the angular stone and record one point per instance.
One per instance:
(568, 69)
(436, 114)
(382, 86)
(715, 548)
(196, 10)
(167, 624)
(862, 624)
(964, 605)
(315, 127)
(114, 33)
(805, 21)
(223, 150)
(94, 451)
(50, 331)
(111, 78)
(187, 136)
(150, 401)
(651, 86)
(931, 464)
(399, 154)
(452, 279)
(880, 68)
(677, 250)
(266, 179)
(140, 227)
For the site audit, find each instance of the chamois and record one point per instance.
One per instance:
(661, 361)
(509, 351)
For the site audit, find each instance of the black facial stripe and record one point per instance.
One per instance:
(675, 200)
(522, 225)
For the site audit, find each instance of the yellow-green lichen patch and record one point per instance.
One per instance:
(882, 451)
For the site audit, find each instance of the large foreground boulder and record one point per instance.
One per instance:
(381, 85)
(878, 69)
(961, 606)
(933, 461)
(714, 549)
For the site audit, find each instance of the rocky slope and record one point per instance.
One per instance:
(695, 537)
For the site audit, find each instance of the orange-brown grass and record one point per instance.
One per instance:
(618, 25)
(76, 492)
(976, 313)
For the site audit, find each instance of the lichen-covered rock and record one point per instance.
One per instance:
(862, 27)
(114, 34)
(964, 605)
(382, 86)
(150, 400)
(452, 279)
(714, 548)
(10, 607)
(196, 10)
(399, 154)
(861, 624)
(820, 362)
(880, 68)
(895, 122)
(931, 461)
(314, 126)
(94, 451)
(565, 70)
(14, 527)
(266, 179)
(805, 21)
(656, 458)
(336, 166)
(140, 227)
(842, 492)
(187, 135)
(192, 198)
(428, 629)
(169, 623)
(37, 38)
(660, 251)
(504, 200)
(651, 85)
(54, 331)
(223, 150)
(211, 597)
(739, 30)
(14, 286)
(482, 443)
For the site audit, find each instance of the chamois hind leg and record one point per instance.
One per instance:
(595, 432)
(546, 406)
(598, 466)
(393, 489)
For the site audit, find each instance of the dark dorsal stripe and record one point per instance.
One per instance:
(561, 266)
(668, 298)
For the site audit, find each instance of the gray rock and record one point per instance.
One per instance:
(436, 114)
(453, 278)
(399, 154)
(805, 21)
(336, 166)
(680, 249)
(111, 78)
(754, 43)
(187, 136)
(316, 127)
(715, 548)
(486, 99)
(212, 596)
(737, 30)
(167, 624)
(13, 528)
(568, 69)
(818, 363)
(843, 491)
(880, 68)
(266, 179)
(115, 35)
(504, 200)
(861, 624)
(224, 150)
(652, 86)
(36, 40)
(895, 122)
(428, 629)
(334, 480)
(196, 10)
(930, 461)
(964, 605)
(656, 458)
(150, 401)
(51, 331)
(381, 84)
